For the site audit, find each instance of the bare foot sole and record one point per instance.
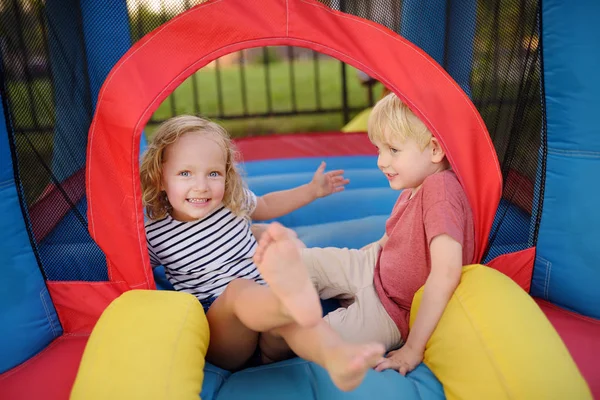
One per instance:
(266, 240)
(281, 266)
(348, 364)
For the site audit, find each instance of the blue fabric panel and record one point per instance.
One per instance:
(73, 112)
(106, 38)
(460, 37)
(515, 224)
(307, 164)
(214, 378)
(567, 267)
(349, 204)
(297, 379)
(28, 319)
(359, 178)
(367, 194)
(427, 33)
(514, 232)
(69, 254)
(354, 233)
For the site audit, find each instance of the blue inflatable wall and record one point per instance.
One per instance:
(29, 321)
(567, 266)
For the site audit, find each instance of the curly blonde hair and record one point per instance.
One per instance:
(155, 200)
(391, 115)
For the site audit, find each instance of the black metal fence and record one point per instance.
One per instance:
(355, 90)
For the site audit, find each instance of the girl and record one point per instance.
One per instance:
(199, 212)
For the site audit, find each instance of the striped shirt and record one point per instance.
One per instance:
(202, 257)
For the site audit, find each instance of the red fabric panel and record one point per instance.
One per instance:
(305, 145)
(49, 375)
(139, 83)
(517, 183)
(52, 199)
(518, 266)
(582, 337)
(80, 304)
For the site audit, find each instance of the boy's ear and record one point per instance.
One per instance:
(437, 153)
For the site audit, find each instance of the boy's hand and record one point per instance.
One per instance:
(402, 360)
(326, 183)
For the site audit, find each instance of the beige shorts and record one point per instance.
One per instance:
(348, 274)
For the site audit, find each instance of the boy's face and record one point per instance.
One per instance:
(404, 163)
(194, 176)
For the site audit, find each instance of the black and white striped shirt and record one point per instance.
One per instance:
(202, 257)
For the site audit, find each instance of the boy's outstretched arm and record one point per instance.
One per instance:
(276, 204)
(446, 268)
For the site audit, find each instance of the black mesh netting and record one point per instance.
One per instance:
(492, 51)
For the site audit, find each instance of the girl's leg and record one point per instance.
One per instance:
(347, 363)
(280, 263)
(231, 342)
(246, 308)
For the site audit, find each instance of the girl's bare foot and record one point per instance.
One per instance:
(265, 241)
(348, 364)
(279, 262)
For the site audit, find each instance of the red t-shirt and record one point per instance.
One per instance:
(439, 207)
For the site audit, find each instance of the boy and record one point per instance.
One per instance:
(429, 236)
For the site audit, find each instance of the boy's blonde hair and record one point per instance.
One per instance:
(392, 117)
(154, 198)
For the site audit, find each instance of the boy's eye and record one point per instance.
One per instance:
(393, 150)
(185, 173)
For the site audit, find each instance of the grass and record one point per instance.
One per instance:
(305, 77)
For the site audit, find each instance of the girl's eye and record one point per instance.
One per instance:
(214, 174)
(184, 173)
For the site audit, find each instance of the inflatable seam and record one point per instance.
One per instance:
(48, 313)
(30, 360)
(7, 183)
(174, 352)
(575, 153)
(548, 272)
(501, 377)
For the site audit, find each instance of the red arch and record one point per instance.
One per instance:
(158, 63)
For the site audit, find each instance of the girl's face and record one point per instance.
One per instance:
(193, 176)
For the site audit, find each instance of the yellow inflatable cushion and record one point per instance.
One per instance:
(359, 123)
(494, 342)
(146, 345)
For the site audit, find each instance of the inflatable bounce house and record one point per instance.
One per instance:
(508, 87)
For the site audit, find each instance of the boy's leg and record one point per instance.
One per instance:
(338, 273)
(366, 320)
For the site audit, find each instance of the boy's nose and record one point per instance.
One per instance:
(382, 161)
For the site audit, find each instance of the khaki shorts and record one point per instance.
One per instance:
(348, 274)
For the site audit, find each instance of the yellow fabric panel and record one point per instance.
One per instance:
(494, 342)
(358, 123)
(147, 344)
